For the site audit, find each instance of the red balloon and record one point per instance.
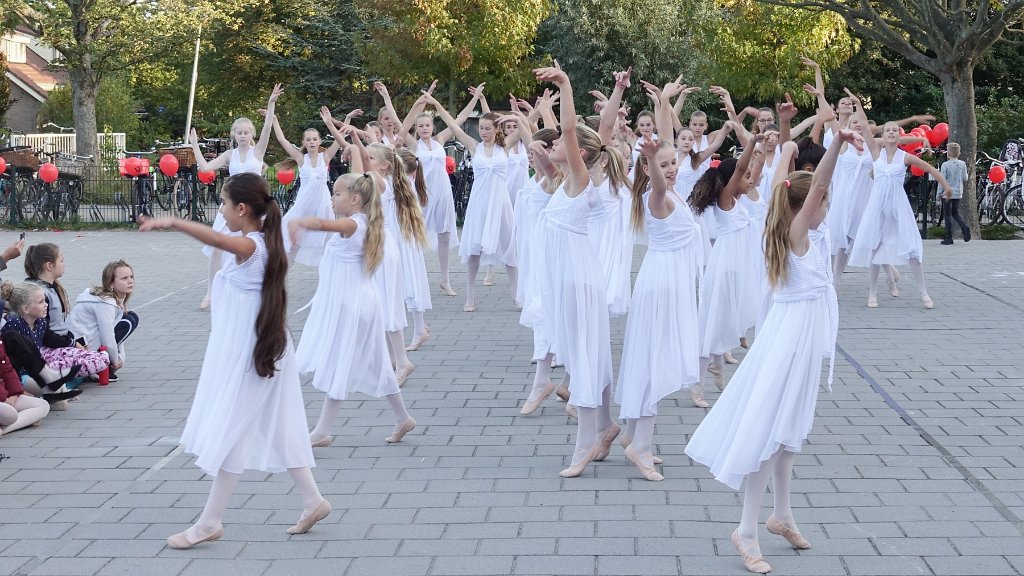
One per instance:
(715, 163)
(286, 177)
(939, 134)
(169, 165)
(48, 173)
(449, 165)
(206, 176)
(996, 174)
(3, 165)
(925, 127)
(133, 166)
(919, 132)
(912, 147)
(916, 171)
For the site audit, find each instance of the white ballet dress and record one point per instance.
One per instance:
(610, 233)
(530, 242)
(343, 342)
(439, 215)
(686, 178)
(251, 165)
(487, 228)
(573, 296)
(388, 276)
(764, 188)
(888, 231)
(415, 284)
(851, 188)
(312, 199)
(731, 290)
(239, 420)
(660, 351)
(769, 403)
(518, 171)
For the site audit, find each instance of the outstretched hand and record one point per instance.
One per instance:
(809, 63)
(276, 92)
(147, 223)
(380, 88)
(649, 147)
(854, 138)
(622, 78)
(786, 110)
(551, 74)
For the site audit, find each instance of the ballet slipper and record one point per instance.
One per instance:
(205, 304)
(729, 358)
(570, 411)
(755, 564)
(403, 374)
(180, 540)
(872, 302)
(928, 302)
(469, 308)
(489, 279)
(625, 441)
(447, 289)
(555, 362)
(648, 471)
(519, 307)
(795, 539)
(578, 468)
(697, 396)
(605, 445)
(562, 392)
(322, 443)
(719, 377)
(744, 343)
(306, 522)
(531, 406)
(418, 342)
(400, 431)
(894, 283)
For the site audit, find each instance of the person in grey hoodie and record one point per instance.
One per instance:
(101, 316)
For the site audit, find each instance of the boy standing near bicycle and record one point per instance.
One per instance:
(955, 171)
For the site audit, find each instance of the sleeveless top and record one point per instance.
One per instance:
(432, 158)
(731, 220)
(342, 249)
(889, 175)
(674, 231)
(806, 279)
(570, 214)
(248, 275)
(251, 164)
(309, 173)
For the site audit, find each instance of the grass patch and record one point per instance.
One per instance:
(999, 232)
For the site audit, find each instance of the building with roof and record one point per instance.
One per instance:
(29, 77)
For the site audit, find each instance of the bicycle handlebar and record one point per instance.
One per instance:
(139, 153)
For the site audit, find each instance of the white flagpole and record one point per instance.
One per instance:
(192, 89)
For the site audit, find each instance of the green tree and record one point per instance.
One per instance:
(115, 107)
(945, 38)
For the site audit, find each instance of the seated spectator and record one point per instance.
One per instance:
(18, 408)
(101, 316)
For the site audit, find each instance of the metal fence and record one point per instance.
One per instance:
(110, 146)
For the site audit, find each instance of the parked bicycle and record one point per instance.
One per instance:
(143, 195)
(462, 179)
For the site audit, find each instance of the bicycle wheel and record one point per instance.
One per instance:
(163, 192)
(37, 201)
(1013, 207)
(143, 190)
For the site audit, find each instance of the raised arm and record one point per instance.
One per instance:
(446, 134)
(360, 159)
(785, 111)
(578, 177)
(610, 112)
(806, 218)
(344, 226)
(452, 124)
(716, 142)
(659, 204)
(787, 154)
(478, 93)
(261, 144)
(339, 143)
(662, 117)
(732, 187)
(677, 108)
(201, 163)
(289, 149)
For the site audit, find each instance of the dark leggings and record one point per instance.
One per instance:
(950, 212)
(24, 355)
(126, 326)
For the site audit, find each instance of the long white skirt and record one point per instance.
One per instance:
(731, 294)
(390, 286)
(888, 232)
(312, 199)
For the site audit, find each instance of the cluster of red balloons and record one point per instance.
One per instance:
(286, 177)
(935, 136)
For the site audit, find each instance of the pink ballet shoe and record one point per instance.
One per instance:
(872, 302)
(570, 411)
(697, 395)
(729, 358)
(562, 392)
(744, 343)
(795, 539)
(489, 279)
(323, 442)
(305, 523)
(205, 304)
(531, 406)
(755, 564)
(418, 342)
(447, 289)
(649, 472)
(180, 540)
(400, 431)
(928, 302)
(894, 284)
(625, 441)
(607, 439)
(469, 308)
(719, 377)
(578, 468)
(403, 374)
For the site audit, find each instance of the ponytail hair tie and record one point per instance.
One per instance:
(787, 184)
(603, 148)
(367, 175)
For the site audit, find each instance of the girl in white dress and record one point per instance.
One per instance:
(573, 293)
(313, 198)
(487, 228)
(248, 411)
(414, 267)
(244, 157)
(762, 418)
(660, 352)
(851, 188)
(518, 163)
(343, 341)
(730, 288)
(888, 231)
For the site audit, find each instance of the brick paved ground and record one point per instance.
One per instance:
(915, 464)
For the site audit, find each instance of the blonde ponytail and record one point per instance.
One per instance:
(787, 199)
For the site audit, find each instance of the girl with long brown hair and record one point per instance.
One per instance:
(248, 411)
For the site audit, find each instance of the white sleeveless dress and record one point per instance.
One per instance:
(518, 171)
(415, 285)
(612, 237)
(888, 231)
(343, 341)
(573, 297)
(236, 165)
(487, 228)
(851, 188)
(769, 403)
(530, 243)
(686, 178)
(660, 351)
(388, 276)
(312, 199)
(439, 215)
(239, 420)
(731, 291)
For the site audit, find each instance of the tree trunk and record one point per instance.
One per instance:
(958, 92)
(84, 86)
